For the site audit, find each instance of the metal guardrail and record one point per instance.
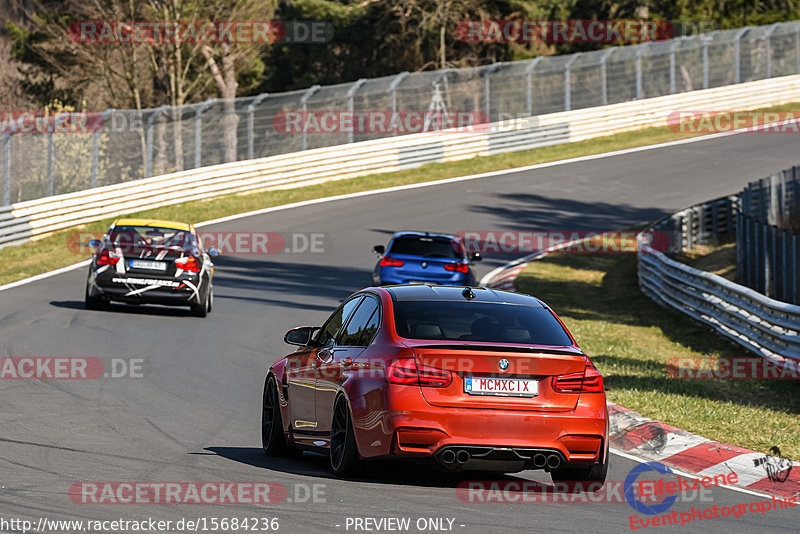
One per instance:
(137, 144)
(765, 326)
(24, 220)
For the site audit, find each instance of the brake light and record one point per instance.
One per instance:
(589, 381)
(189, 263)
(388, 261)
(405, 371)
(105, 258)
(457, 267)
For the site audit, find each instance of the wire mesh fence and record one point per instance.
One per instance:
(135, 144)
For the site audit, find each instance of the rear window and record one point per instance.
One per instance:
(135, 238)
(428, 247)
(479, 321)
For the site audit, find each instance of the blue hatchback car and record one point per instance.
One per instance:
(424, 257)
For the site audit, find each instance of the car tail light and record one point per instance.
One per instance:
(589, 381)
(457, 267)
(189, 263)
(406, 371)
(388, 261)
(105, 258)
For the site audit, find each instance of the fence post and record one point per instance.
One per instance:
(706, 39)
(784, 265)
(739, 249)
(350, 97)
(568, 82)
(529, 82)
(7, 169)
(604, 75)
(198, 134)
(251, 108)
(797, 48)
(768, 48)
(393, 90)
(672, 66)
(795, 267)
(50, 148)
(304, 101)
(148, 167)
(96, 149)
(737, 46)
(639, 51)
(487, 104)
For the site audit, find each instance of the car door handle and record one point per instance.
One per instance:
(323, 356)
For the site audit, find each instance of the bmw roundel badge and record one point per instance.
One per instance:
(503, 364)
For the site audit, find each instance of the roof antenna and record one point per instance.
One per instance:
(468, 293)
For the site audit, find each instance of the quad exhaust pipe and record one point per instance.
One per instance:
(553, 461)
(448, 457)
(539, 460)
(462, 456)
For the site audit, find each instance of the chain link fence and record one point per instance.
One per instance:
(132, 144)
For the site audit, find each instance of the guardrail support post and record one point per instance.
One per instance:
(7, 169)
(393, 91)
(350, 96)
(604, 75)
(568, 82)
(250, 124)
(304, 101)
(529, 83)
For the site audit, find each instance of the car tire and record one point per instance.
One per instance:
(93, 302)
(344, 450)
(203, 309)
(272, 439)
(593, 473)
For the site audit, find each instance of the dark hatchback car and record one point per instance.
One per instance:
(423, 257)
(142, 261)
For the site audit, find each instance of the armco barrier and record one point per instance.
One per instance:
(25, 220)
(767, 327)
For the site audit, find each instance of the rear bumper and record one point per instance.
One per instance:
(169, 292)
(578, 436)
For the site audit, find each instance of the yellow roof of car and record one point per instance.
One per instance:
(174, 225)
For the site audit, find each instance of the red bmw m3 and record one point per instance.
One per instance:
(467, 378)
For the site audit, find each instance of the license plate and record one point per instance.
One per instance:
(501, 387)
(149, 265)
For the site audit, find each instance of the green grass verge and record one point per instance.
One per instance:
(51, 252)
(630, 338)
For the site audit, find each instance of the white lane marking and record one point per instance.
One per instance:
(403, 188)
(685, 474)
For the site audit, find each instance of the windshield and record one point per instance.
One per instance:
(479, 321)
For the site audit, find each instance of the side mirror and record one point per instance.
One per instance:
(378, 249)
(300, 336)
(213, 252)
(475, 256)
(94, 243)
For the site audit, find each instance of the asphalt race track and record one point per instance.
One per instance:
(194, 413)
